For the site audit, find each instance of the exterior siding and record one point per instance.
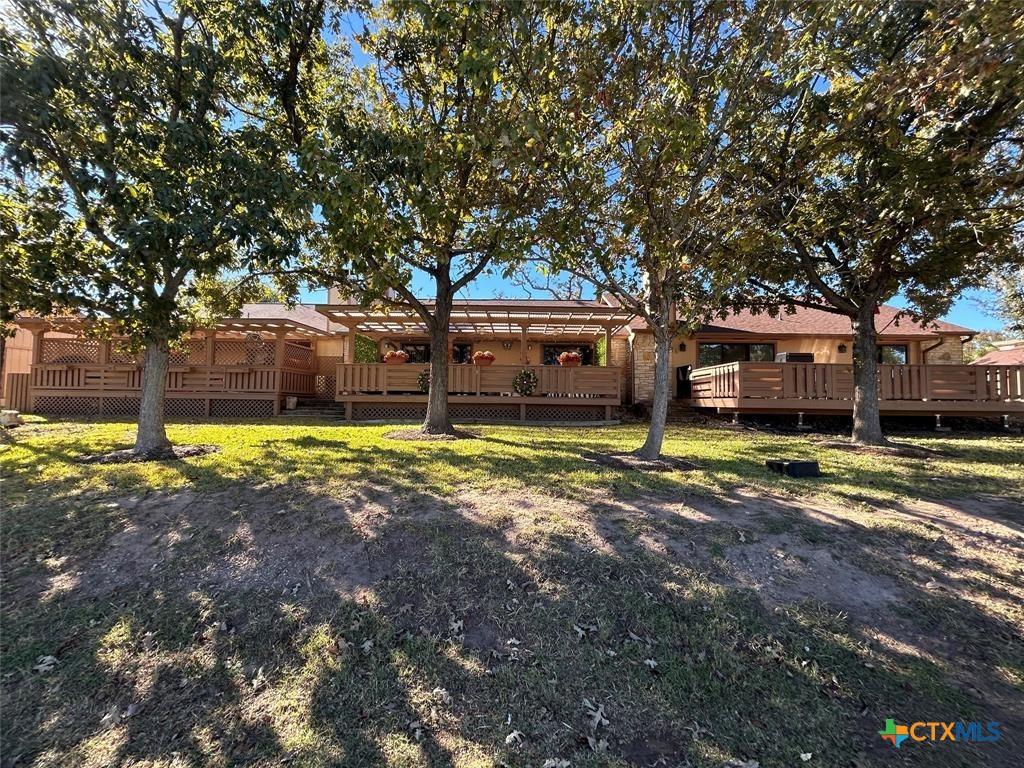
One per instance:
(950, 352)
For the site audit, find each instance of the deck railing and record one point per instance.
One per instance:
(830, 381)
(598, 382)
(93, 378)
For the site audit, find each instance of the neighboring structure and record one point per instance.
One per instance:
(249, 365)
(1005, 353)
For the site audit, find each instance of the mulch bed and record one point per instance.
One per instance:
(638, 463)
(129, 456)
(417, 434)
(891, 449)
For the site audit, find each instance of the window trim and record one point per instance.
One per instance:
(904, 347)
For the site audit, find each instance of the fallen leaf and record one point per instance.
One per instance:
(442, 694)
(45, 664)
(805, 756)
(515, 739)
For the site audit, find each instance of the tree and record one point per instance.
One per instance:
(647, 105)
(151, 147)
(1009, 300)
(426, 173)
(893, 166)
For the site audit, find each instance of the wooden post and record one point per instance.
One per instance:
(523, 343)
(211, 343)
(350, 345)
(607, 345)
(38, 334)
(103, 355)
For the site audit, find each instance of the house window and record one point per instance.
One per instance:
(552, 351)
(462, 353)
(418, 353)
(893, 354)
(716, 354)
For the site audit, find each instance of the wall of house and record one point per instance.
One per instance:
(949, 352)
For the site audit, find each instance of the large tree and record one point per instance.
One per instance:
(150, 146)
(647, 106)
(894, 166)
(426, 173)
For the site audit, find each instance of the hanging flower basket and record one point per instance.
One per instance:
(423, 381)
(525, 383)
(569, 359)
(396, 357)
(483, 358)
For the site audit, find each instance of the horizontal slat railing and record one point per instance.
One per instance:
(832, 381)
(597, 382)
(89, 379)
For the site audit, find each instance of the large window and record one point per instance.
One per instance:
(462, 353)
(893, 354)
(552, 351)
(716, 354)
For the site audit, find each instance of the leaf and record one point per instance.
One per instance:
(442, 695)
(805, 756)
(515, 739)
(555, 763)
(45, 664)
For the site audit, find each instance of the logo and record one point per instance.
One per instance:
(939, 731)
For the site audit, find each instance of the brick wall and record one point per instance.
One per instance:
(643, 363)
(620, 357)
(950, 352)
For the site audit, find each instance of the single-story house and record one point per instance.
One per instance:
(254, 364)
(1010, 352)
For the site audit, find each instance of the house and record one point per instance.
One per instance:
(1010, 352)
(252, 364)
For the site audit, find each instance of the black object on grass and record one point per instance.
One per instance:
(794, 468)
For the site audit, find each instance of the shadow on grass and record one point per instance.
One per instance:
(239, 621)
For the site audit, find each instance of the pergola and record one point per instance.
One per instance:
(492, 319)
(272, 326)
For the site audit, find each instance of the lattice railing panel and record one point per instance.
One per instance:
(564, 413)
(184, 408)
(484, 412)
(325, 386)
(191, 352)
(122, 353)
(68, 406)
(298, 356)
(242, 408)
(70, 351)
(247, 352)
(121, 406)
(384, 411)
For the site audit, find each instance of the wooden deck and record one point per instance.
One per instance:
(828, 388)
(380, 391)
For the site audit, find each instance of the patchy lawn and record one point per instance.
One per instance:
(317, 594)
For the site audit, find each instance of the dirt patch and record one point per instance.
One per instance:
(890, 449)
(638, 463)
(417, 434)
(783, 570)
(129, 456)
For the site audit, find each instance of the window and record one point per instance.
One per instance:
(418, 353)
(893, 354)
(462, 353)
(552, 351)
(716, 354)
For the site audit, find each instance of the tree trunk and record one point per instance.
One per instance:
(651, 449)
(867, 424)
(436, 421)
(151, 440)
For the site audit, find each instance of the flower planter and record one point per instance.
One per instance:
(569, 363)
(484, 361)
(395, 361)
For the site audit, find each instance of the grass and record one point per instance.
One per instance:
(322, 595)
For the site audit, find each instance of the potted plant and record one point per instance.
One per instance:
(396, 357)
(484, 357)
(569, 359)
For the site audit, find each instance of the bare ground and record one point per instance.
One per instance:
(941, 582)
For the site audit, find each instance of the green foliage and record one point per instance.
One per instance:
(148, 149)
(601, 351)
(366, 350)
(428, 167)
(893, 165)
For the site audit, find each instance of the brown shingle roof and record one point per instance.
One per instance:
(805, 321)
(300, 313)
(1002, 357)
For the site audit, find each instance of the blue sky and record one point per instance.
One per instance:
(965, 312)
